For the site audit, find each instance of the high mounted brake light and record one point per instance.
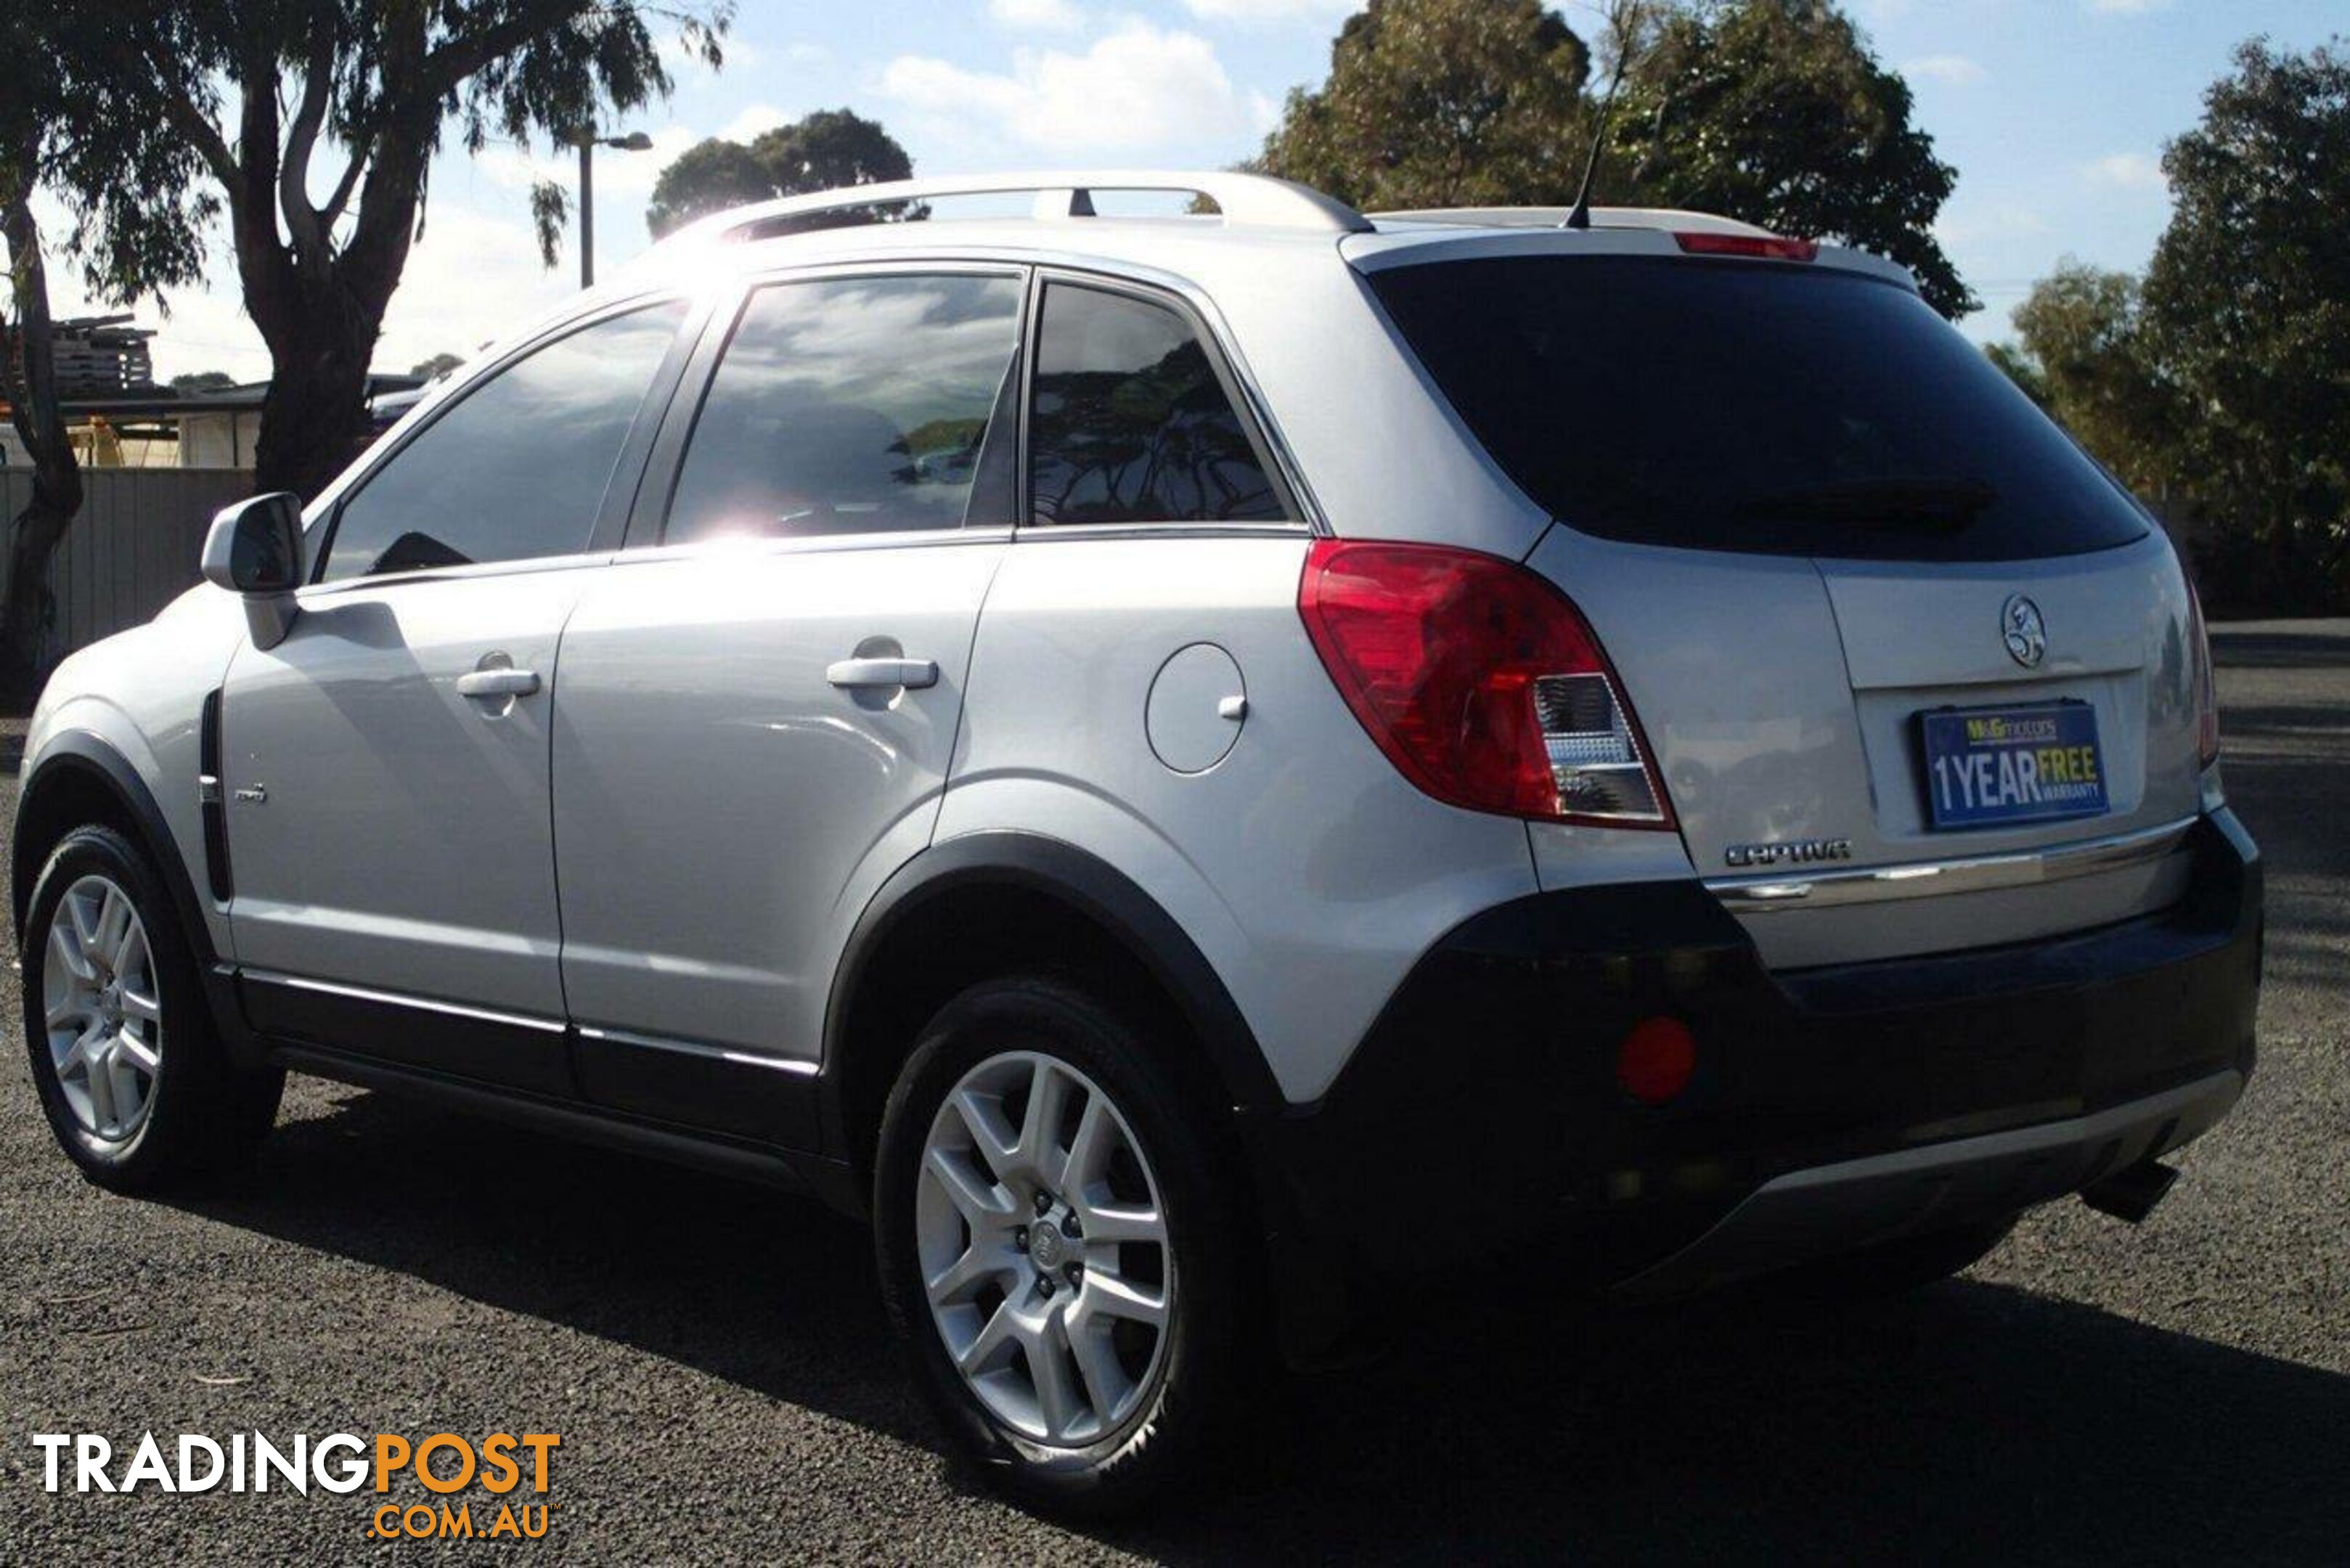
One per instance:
(1480, 683)
(1765, 247)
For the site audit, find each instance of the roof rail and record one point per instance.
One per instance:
(1258, 200)
(1670, 218)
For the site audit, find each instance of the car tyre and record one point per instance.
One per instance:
(980, 1207)
(131, 1072)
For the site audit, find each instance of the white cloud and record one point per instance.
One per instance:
(1135, 89)
(1957, 69)
(752, 121)
(1043, 16)
(1268, 10)
(2126, 7)
(474, 278)
(2128, 171)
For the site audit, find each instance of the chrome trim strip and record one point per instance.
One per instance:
(695, 1048)
(1933, 879)
(395, 999)
(752, 547)
(1056, 533)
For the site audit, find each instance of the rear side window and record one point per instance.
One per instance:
(1760, 407)
(516, 469)
(854, 406)
(1130, 423)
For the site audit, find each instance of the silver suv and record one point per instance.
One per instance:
(1199, 769)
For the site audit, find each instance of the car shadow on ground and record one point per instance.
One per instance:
(1967, 1422)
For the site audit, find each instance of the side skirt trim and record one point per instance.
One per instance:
(696, 1088)
(759, 1162)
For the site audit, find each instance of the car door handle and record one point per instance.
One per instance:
(867, 674)
(500, 682)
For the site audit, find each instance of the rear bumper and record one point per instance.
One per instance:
(1828, 1209)
(1831, 1107)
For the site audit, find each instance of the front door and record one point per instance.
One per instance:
(386, 766)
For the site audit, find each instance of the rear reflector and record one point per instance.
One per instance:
(1768, 247)
(1480, 682)
(1656, 1060)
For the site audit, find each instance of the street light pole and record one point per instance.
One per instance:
(588, 141)
(587, 212)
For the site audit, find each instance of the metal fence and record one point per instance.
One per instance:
(133, 548)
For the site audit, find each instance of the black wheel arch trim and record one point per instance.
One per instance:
(82, 752)
(89, 754)
(1097, 890)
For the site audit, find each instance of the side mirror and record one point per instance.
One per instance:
(255, 546)
(255, 549)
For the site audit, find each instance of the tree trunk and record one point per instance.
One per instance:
(314, 417)
(33, 538)
(28, 379)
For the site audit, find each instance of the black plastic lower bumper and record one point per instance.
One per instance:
(1483, 1108)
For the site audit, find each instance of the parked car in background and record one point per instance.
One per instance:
(1200, 771)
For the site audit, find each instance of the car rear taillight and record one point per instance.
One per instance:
(1765, 247)
(1480, 681)
(2207, 694)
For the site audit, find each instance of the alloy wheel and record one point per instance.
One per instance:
(103, 1010)
(1044, 1249)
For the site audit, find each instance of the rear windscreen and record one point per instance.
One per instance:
(1762, 407)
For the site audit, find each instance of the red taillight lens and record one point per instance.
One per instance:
(1767, 247)
(2207, 693)
(1480, 681)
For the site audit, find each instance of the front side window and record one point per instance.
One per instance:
(853, 406)
(518, 469)
(1130, 423)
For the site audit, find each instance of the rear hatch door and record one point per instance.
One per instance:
(1805, 515)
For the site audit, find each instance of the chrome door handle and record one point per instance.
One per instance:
(498, 682)
(867, 674)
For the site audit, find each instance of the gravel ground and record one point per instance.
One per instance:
(714, 1359)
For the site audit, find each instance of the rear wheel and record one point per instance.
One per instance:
(1057, 1242)
(130, 1070)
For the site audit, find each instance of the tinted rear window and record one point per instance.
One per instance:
(1759, 407)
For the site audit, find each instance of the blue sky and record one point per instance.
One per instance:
(2053, 111)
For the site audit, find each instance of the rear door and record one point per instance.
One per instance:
(760, 701)
(1805, 515)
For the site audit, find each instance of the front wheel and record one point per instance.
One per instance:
(1058, 1233)
(131, 1074)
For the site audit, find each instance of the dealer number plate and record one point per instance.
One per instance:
(1989, 767)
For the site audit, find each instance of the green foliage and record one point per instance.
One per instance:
(1776, 112)
(278, 100)
(2017, 366)
(196, 382)
(550, 209)
(2086, 334)
(828, 150)
(1770, 111)
(1442, 103)
(2250, 295)
(437, 365)
(708, 177)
